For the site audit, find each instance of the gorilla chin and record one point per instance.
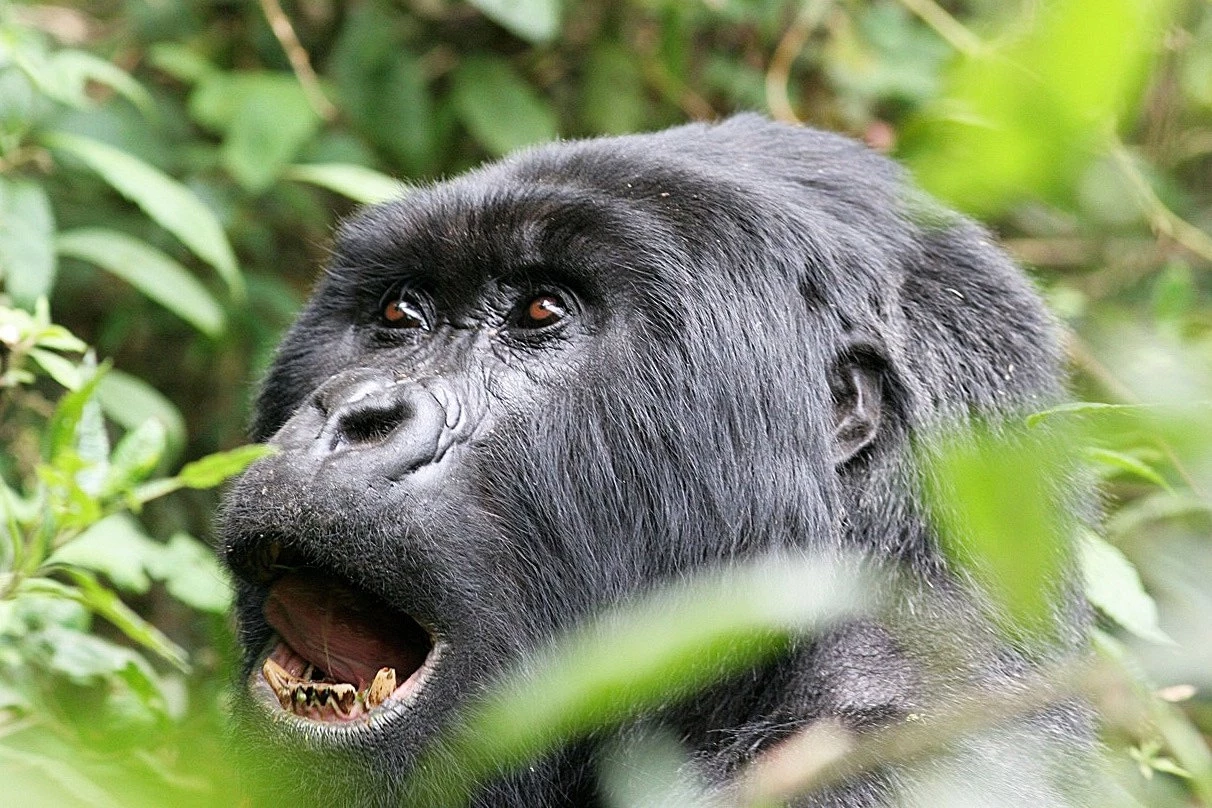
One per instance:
(543, 389)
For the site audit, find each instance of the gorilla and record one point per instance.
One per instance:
(531, 393)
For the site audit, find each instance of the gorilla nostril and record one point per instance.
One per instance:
(369, 424)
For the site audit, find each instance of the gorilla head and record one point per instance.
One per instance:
(534, 391)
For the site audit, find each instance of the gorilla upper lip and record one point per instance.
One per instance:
(339, 653)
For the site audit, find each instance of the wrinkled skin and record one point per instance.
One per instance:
(529, 393)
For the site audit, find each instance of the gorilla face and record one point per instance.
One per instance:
(537, 390)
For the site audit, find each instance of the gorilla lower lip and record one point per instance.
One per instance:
(341, 654)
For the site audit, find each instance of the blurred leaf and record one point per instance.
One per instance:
(85, 658)
(180, 61)
(70, 785)
(1114, 588)
(1082, 408)
(215, 468)
(167, 202)
(192, 574)
(130, 401)
(61, 369)
(650, 652)
(116, 547)
(60, 434)
(105, 603)
(150, 271)
(359, 183)
(613, 98)
(92, 440)
(1023, 119)
(498, 107)
(1127, 463)
(27, 259)
(265, 118)
(136, 455)
(996, 499)
(536, 21)
(74, 69)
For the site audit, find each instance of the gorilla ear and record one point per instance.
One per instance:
(856, 382)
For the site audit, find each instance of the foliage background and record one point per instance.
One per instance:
(1080, 130)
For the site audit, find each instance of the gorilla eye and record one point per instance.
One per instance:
(542, 310)
(404, 313)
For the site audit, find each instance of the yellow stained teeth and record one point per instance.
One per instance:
(326, 699)
(381, 687)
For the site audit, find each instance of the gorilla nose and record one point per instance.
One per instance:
(381, 426)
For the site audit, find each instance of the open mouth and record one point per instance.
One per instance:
(339, 654)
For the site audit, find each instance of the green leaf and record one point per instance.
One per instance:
(180, 61)
(1115, 589)
(74, 69)
(170, 204)
(69, 786)
(27, 259)
(92, 440)
(654, 651)
(192, 575)
(150, 271)
(359, 183)
(59, 368)
(130, 401)
(116, 547)
(613, 96)
(1127, 463)
(215, 468)
(498, 107)
(536, 21)
(85, 658)
(1083, 408)
(265, 118)
(60, 435)
(105, 603)
(1023, 119)
(995, 499)
(136, 455)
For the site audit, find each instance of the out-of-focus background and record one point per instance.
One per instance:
(171, 172)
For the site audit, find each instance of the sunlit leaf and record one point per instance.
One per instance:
(536, 21)
(60, 435)
(213, 469)
(105, 603)
(116, 547)
(130, 401)
(1114, 588)
(359, 183)
(191, 572)
(136, 455)
(170, 204)
(27, 257)
(150, 271)
(59, 368)
(74, 69)
(1023, 119)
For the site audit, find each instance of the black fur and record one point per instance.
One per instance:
(763, 317)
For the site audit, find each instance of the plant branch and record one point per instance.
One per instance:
(300, 62)
(778, 75)
(946, 26)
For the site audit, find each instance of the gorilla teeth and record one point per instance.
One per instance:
(326, 700)
(381, 687)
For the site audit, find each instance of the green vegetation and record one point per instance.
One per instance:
(170, 172)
